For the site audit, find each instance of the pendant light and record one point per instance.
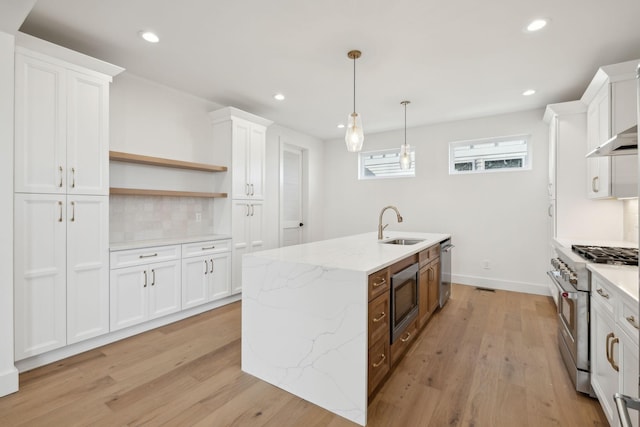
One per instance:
(355, 134)
(405, 150)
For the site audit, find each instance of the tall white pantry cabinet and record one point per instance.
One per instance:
(61, 224)
(239, 139)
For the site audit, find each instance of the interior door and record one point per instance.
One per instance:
(291, 176)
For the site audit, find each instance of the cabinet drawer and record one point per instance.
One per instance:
(379, 364)
(379, 319)
(131, 257)
(205, 248)
(629, 320)
(429, 254)
(603, 292)
(402, 344)
(378, 283)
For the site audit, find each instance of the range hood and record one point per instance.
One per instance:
(624, 143)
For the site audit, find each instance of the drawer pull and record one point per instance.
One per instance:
(602, 293)
(378, 284)
(406, 338)
(633, 322)
(382, 358)
(207, 248)
(379, 318)
(148, 256)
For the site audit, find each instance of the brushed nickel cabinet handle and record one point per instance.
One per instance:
(211, 266)
(382, 358)
(246, 189)
(60, 206)
(73, 212)
(595, 188)
(379, 318)
(153, 277)
(252, 193)
(207, 248)
(61, 174)
(405, 339)
(247, 206)
(73, 177)
(206, 267)
(602, 293)
(378, 284)
(633, 322)
(614, 365)
(148, 256)
(549, 211)
(253, 208)
(145, 278)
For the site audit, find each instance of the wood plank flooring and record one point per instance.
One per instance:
(486, 359)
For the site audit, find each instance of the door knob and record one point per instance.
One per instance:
(301, 224)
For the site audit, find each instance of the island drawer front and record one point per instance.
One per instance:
(629, 319)
(141, 256)
(604, 293)
(205, 248)
(403, 343)
(379, 314)
(379, 364)
(378, 283)
(429, 254)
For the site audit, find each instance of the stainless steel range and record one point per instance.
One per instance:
(573, 283)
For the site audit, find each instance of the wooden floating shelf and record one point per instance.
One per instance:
(168, 193)
(158, 161)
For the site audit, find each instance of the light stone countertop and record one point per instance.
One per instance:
(623, 277)
(121, 246)
(360, 252)
(568, 241)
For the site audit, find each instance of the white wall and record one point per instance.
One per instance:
(8, 372)
(313, 158)
(495, 217)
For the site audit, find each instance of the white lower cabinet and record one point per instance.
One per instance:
(604, 376)
(144, 291)
(247, 225)
(206, 272)
(61, 271)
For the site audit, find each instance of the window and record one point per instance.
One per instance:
(490, 155)
(384, 164)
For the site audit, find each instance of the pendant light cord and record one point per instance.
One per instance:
(354, 84)
(405, 124)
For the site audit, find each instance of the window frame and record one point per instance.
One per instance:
(527, 158)
(361, 164)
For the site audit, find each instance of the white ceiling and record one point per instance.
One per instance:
(453, 59)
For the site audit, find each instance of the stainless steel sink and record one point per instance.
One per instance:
(403, 241)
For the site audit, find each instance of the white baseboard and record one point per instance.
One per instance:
(73, 349)
(8, 382)
(504, 285)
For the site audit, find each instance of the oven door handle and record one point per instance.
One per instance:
(564, 292)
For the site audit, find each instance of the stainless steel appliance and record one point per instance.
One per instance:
(404, 300)
(445, 271)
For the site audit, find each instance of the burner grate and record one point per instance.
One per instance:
(607, 255)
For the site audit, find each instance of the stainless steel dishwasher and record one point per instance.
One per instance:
(445, 271)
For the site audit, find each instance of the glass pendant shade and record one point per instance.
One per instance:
(355, 135)
(405, 157)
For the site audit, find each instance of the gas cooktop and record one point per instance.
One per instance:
(607, 255)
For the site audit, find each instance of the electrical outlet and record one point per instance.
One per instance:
(486, 265)
(198, 217)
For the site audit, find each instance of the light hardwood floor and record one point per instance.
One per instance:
(486, 359)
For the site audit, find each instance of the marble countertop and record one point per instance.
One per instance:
(360, 252)
(164, 242)
(622, 277)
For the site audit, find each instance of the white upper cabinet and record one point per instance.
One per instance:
(611, 99)
(61, 127)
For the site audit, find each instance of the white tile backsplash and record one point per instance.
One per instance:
(134, 218)
(630, 213)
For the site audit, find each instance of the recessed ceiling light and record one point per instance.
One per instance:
(341, 126)
(528, 92)
(278, 96)
(537, 24)
(149, 36)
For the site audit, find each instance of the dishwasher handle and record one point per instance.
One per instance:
(447, 248)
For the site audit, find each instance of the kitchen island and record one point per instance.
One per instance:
(305, 316)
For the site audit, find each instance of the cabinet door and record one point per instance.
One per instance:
(220, 279)
(599, 168)
(241, 233)
(40, 126)
(164, 288)
(87, 134)
(255, 172)
(256, 221)
(423, 296)
(629, 370)
(434, 285)
(195, 279)
(604, 379)
(128, 296)
(87, 267)
(241, 144)
(40, 276)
